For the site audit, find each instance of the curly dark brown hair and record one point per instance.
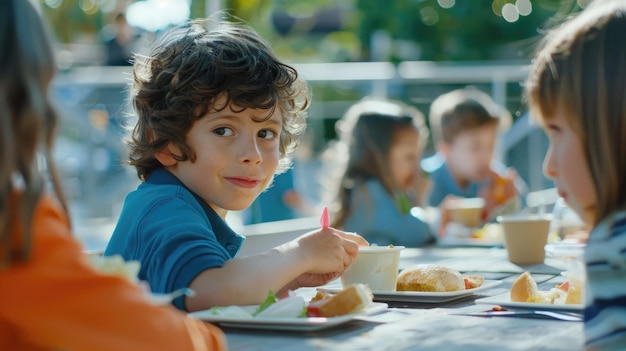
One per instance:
(189, 68)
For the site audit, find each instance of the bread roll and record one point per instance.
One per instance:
(524, 289)
(430, 278)
(353, 299)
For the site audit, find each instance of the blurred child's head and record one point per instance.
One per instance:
(382, 140)
(385, 140)
(577, 91)
(204, 66)
(465, 124)
(28, 120)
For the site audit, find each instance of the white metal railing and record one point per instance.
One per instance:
(378, 73)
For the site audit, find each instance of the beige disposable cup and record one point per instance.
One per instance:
(525, 236)
(467, 211)
(376, 266)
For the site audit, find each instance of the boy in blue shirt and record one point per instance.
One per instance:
(464, 125)
(218, 115)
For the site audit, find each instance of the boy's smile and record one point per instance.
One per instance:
(236, 155)
(243, 182)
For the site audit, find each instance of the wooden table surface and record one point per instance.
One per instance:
(421, 326)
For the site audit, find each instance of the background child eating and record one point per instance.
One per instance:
(380, 178)
(465, 124)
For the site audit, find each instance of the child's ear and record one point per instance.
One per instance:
(164, 156)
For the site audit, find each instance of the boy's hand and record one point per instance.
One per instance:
(310, 279)
(500, 190)
(445, 214)
(330, 251)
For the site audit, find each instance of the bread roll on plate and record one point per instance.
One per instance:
(524, 289)
(430, 278)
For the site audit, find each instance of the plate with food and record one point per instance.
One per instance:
(293, 313)
(525, 294)
(429, 283)
(504, 300)
(459, 235)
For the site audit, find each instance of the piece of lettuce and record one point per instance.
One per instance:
(230, 311)
(269, 300)
(288, 307)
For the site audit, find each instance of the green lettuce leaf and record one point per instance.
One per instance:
(269, 300)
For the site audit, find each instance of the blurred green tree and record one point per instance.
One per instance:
(358, 30)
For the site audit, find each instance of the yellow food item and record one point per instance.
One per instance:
(499, 194)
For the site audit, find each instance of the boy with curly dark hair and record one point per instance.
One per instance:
(218, 115)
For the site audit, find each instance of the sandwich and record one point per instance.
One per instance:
(353, 299)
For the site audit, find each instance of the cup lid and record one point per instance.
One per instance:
(524, 217)
(470, 202)
(375, 248)
(565, 250)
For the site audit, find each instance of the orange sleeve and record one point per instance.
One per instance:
(56, 300)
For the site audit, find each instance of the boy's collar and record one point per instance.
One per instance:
(234, 240)
(163, 176)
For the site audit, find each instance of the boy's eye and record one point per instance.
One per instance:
(266, 134)
(223, 131)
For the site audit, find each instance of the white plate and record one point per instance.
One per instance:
(566, 250)
(421, 296)
(276, 323)
(504, 300)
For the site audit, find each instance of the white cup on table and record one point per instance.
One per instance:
(376, 266)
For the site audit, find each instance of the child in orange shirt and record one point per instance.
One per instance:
(51, 296)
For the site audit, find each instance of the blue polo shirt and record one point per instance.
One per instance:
(270, 206)
(443, 183)
(375, 215)
(173, 233)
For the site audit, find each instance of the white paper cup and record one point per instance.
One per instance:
(376, 266)
(525, 236)
(467, 211)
